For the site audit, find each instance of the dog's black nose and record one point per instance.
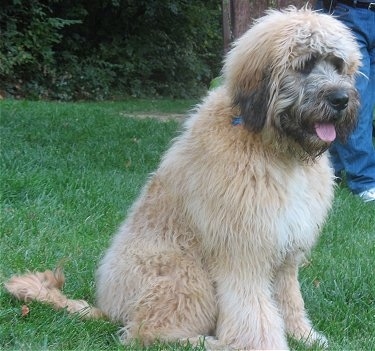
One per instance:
(338, 100)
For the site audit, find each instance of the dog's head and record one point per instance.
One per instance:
(292, 76)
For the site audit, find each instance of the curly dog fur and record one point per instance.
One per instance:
(213, 244)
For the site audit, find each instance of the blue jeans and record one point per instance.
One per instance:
(357, 156)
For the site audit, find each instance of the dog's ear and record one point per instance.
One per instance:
(253, 104)
(247, 76)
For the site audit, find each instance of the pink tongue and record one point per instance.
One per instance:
(325, 131)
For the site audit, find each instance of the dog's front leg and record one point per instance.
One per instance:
(248, 317)
(290, 301)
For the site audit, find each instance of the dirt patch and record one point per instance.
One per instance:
(159, 116)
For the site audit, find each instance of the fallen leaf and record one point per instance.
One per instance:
(24, 310)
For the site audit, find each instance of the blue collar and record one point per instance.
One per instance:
(237, 121)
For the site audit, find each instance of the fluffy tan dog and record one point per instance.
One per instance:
(212, 245)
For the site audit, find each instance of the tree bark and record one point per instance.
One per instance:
(227, 24)
(241, 10)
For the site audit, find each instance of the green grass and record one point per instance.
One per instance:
(68, 174)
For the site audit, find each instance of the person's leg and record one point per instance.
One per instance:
(357, 155)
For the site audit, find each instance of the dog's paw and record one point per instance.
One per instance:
(313, 338)
(320, 340)
(210, 343)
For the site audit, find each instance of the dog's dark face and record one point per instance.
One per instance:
(316, 104)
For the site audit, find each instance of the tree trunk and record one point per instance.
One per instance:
(227, 24)
(238, 15)
(241, 10)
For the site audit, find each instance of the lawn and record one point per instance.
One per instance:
(70, 171)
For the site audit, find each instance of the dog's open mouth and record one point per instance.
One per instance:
(325, 131)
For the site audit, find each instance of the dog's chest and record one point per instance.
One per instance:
(299, 220)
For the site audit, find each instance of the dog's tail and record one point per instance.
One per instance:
(45, 287)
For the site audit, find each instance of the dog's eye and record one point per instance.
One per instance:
(338, 63)
(308, 65)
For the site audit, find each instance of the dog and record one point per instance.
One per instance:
(212, 246)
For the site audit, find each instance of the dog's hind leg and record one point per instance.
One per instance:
(45, 287)
(175, 303)
(290, 301)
